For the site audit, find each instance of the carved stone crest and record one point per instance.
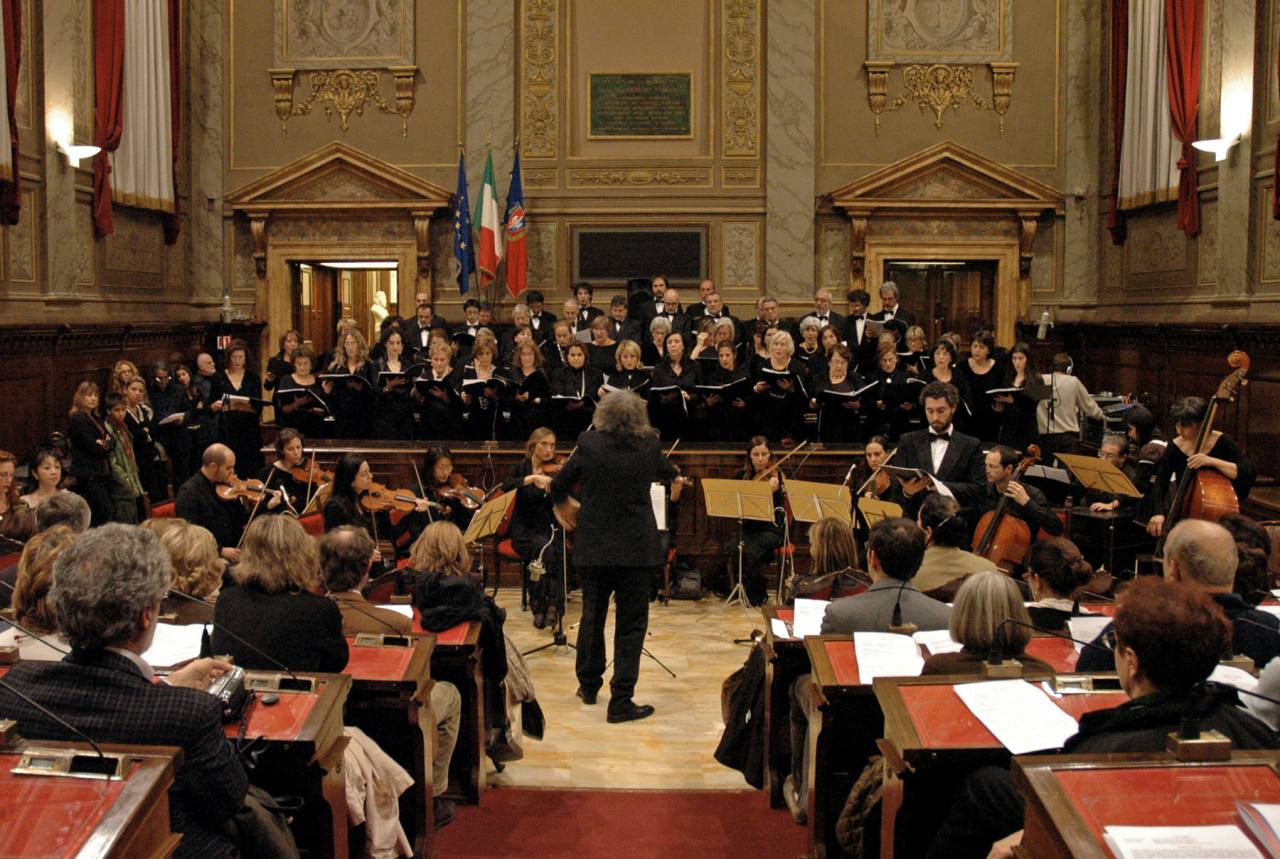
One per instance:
(358, 34)
(940, 31)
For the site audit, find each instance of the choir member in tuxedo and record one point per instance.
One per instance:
(809, 350)
(723, 416)
(240, 425)
(439, 406)
(573, 389)
(780, 391)
(278, 475)
(699, 308)
(470, 327)
(140, 420)
(541, 321)
(281, 364)
(915, 358)
(570, 311)
(943, 454)
(759, 539)
(417, 332)
(672, 311)
(672, 408)
(943, 369)
(983, 372)
(301, 398)
(1220, 453)
(643, 307)
(892, 402)
(627, 374)
(654, 349)
(839, 418)
(716, 310)
(621, 325)
(90, 452)
(531, 398)
(483, 391)
(393, 393)
(770, 312)
(602, 350)
(890, 309)
(824, 314)
(1029, 503)
(198, 502)
(352, 398)
(1016, 413)
(556, 349)
(442, 484)
(858, 335)
(587, 312)
(534, 530)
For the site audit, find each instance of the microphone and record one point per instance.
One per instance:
(1055, 634)
(1042, 330)
(1075, 605)
(43, 641)
(101, 768)
(229, 634)
(400, 636)
(895, 620)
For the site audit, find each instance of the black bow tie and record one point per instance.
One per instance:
(939, 436)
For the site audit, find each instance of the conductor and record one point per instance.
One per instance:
(617, 548)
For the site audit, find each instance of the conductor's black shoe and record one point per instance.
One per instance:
(587, 697)
(630, 713)
(443, 811)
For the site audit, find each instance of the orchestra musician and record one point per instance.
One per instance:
(239, 426)
(352, 478)
(759, 539)
(198, 502)
(1029, 503)
(534, 531)
(393, 403)
(90, 452)
(1115, 450)
(439, 409)
(279, 474)
(450, 488)
(352, 399)
(46, 469)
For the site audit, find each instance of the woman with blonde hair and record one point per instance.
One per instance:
(274, 606)
(627, 372)
(983, 604)
(835, 563)
(533, 525)
(352, 402)
(122, 374)
(197, 570)
(90, 452)
(31, 608)
(440, 549)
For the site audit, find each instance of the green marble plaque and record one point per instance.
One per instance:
(641, 105)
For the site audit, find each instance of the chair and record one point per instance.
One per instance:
(313, 524)
(507, 554)
(163, 511)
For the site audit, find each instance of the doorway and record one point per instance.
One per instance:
(325, 292)
(946, 295)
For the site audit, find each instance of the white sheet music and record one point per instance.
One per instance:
(406, 610)
(1179, 842)
(658, 498)
(886, 654)
(1021, 716)
(808, 617)
(174, 644)
(779, 628)
(1087, 628)
(937, 641)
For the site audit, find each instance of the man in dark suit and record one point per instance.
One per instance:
(621, 327)
(197, 501)
(824, 314)
(857, 334)
(417, 333)
(541, 321)
(891, 309)
(671, 311)
(106, 593)
(617, 547)
(948, 458)
(555, 350)
(1029, 503)
(587, 312)
(698, 309)
(642, 306)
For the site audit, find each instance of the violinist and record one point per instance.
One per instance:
(281, 364)
(534, 531)
(393, 404)
(672, 387)
(281, 473)
(352, 480)
(301, 399)
(839, 415)
(352, 395)
(439, 408)
(759, 539)
(450, 488)
(199, 504)
(1220, 453)
(90, 452)
(574, 388)
(531, 399)
(875, 452)
(1029, 503)
(722, 413)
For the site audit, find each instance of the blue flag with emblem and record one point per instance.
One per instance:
(463, 248)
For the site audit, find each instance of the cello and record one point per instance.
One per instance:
(1002, 539)
(1206, 493)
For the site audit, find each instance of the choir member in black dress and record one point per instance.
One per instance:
(722, 414)
(301, 398)
(1016, 413)
(573, 391)
(780, 391)
(279, 474)
(531, 398)
(352, 397)
(140, 420)
(627, 374)
(983, 372)
(654, 349)
(602, 350)
(894, 403)
(281, 364)
(534, 530)
(393, 403)
(194, 400)
(943, 369)
(483, 392)
(809, 350)
(759, 539)
(915, 357)
(439, 405)
(241, 422)
(839, 418)
(90, 453)
(702, 346)
(449, 489)
(671, 390)
(1220, 453)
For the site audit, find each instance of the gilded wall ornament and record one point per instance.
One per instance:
(938, 87)
(538, 103)
(741, 77)
(344, 92)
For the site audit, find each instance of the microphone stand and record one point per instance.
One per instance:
(100, 769)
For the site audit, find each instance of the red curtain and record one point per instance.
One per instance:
(108, 73)
(1119, 87)
(10, 198)
(173, 222)
(1275, 173)
(1182, 22)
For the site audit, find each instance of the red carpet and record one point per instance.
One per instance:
(620, 824)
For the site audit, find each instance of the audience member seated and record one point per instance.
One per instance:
(106, 593)
(1203, 555)
(1253, 557)
(38, 640)
(1056, 571)
(1169, 636)
(346, 556)
(273, 606)
(947, 559)
(834, 572)
(984, 602)
(62, 508)
(197, 570)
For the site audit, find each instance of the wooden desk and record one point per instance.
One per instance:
(390, 701)
(50, 816)
(1072, 798)
(456, 658)
(785, 659)
(302, 734)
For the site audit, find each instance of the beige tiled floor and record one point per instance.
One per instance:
(671, 750)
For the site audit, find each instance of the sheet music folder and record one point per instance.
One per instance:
(1099, 474)
(738, 499)
(812, 501)
(487, 519)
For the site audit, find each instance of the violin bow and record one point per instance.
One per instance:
(421, 488)
(863, 487)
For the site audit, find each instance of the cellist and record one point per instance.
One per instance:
(1220, 453)
(1029, 503)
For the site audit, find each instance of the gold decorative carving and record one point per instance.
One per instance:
(938, 87)
(540, 178)
(1002, 88)
(741, 76)
(639, 178)
(422, 240)
(742, 177)
(539, 107)
(258, 230)
(348, 91)
(741, 266)
(282, 87)
(877, 87)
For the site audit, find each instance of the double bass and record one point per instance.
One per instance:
(1206, 493)
(1004, 540)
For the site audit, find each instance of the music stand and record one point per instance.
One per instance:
(741, 500)
(1099, 474)
(485, 523)
(874, 510)
(810, 502)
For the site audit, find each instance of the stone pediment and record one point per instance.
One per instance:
(945, 176)
(334, 178)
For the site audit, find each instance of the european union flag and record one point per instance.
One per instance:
(462, 242)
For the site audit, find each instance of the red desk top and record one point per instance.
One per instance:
(281, 721)
(51, 817)
(1058, 652)
(787, 614)
(454, 636)
(844, 662)
(1165, 796)
(4, 669)
(377, 663)
(943, 721)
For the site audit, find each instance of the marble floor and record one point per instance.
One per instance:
(671, 750)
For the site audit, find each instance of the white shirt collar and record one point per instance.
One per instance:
(147, 671)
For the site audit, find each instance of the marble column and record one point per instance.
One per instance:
(1236, 238)
(791, 138)
(1082, 174)
(207, 273)
(489, 91)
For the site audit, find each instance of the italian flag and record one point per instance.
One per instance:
(490, 249)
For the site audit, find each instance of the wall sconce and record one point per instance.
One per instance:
(77, 152)
(1219, 146)
(62, 132)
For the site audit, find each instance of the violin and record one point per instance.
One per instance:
(459, 490)
(880, 478)
(379, 498)
(250, 490)
(552, 468)
(1002, 539)
(309, 473)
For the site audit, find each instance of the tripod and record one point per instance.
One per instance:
(558, 638)
(738, 594)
